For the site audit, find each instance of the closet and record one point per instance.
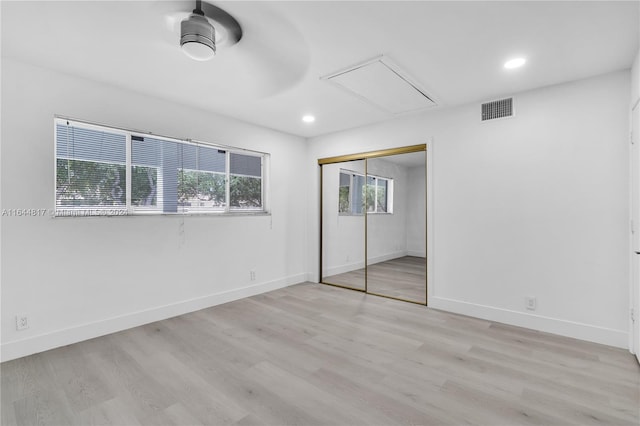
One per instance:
(373, 222)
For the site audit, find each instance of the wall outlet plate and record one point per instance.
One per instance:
(530, 303)
(22, 321)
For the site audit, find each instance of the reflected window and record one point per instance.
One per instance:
(344, 193)
(354, 197)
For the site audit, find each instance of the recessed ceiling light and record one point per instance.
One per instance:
(308, 118)
(514, 63)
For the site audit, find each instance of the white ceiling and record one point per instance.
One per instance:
(453, 50)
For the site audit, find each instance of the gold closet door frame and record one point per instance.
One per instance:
(365, 156)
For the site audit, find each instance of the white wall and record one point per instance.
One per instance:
(77, 278)
(387, 233)
(416, 213)
(343, 235)
(635, 80)
(536, 205)
(634, 245)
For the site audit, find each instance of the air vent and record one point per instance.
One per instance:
(497, 109)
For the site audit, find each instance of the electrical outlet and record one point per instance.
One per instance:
(22, 322)
(530, 303)
(252, 275)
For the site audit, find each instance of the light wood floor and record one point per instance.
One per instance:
(318, 355)
(404, 277)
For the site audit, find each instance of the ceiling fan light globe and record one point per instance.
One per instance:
(197, 38)
(198, 51)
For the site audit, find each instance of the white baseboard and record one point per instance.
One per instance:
(386, 257)
(348, 267)
(55, 339)
(344, 268)
(417, 253)
(576, 330)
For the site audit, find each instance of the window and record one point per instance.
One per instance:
(344, 193)
(376, 194)
(245, 186)
(353, 194)
(101, 170)
(90, 169)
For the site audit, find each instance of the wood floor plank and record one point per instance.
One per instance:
(82, 383)
(318, 355)
(175, 415)
(577, 411)
(113, 412)
(126, 376)
(491, 408)
(205, 403)
(373, 398)
(44, 407)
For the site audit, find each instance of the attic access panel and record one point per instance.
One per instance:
(382, 84)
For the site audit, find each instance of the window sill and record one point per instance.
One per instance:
(73, 214)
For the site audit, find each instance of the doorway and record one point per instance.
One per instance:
(373, 221)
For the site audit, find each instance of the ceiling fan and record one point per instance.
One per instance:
(253, 42)
(198, 34)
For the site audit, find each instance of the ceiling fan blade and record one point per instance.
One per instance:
(257, 62)
(263, 71)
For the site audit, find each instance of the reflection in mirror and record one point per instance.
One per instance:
(343, 231)
(396, 226)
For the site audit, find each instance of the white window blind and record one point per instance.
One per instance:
(90, 168)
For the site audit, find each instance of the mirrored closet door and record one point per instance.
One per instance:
(396, 225)
(343, 227)
(373, 222)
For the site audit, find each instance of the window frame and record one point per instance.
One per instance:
(262, 180)
(132, 210)
(388, 184)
